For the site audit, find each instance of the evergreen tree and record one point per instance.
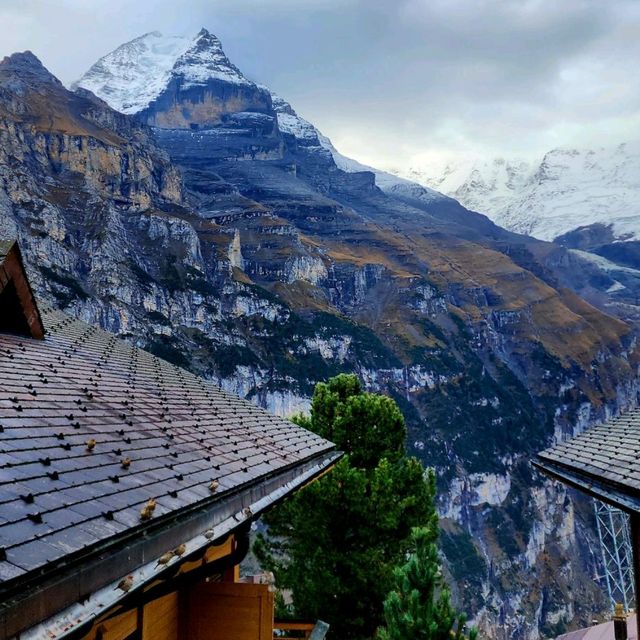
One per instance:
(419, 607)
(335, 545)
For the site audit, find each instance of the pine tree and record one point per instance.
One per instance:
(334, 546)
(419, 607)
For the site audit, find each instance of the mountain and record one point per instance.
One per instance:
(584, 198)
(136, 73)
(146, 75)
(215, 227)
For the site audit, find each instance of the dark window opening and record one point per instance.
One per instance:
(12, 318)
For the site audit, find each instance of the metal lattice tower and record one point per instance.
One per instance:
(617, 556)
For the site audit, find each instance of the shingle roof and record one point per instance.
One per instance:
(92, 428)
(604, 460)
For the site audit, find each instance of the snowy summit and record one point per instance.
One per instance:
(132, 76)
(567, 189)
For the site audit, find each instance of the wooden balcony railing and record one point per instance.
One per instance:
(298, 630)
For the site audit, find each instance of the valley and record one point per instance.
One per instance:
(175, 202)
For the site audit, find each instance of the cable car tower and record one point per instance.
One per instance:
(616, 553)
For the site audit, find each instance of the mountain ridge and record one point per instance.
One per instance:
(566, 190)
(309, 159)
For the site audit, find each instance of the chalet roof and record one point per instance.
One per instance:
(604, 461)
(604, 631)
(92, 429)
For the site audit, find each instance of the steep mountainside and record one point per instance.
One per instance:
(585, 197)
(586, 201)
(259, 257)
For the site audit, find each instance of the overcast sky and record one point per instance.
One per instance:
(394, 83)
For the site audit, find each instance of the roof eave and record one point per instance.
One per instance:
(43, 596)
(589, 485)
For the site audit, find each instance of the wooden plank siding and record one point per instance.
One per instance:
(204, 611)
(229, 611)
(160, 619)
(117, 628)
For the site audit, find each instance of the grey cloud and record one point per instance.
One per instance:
(391, 79)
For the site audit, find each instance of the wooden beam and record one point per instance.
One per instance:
(293, 626)
(117, 628)
(220, 550)
(160, 618)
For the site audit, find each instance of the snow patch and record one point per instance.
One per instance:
(604, 264)
(616, 286)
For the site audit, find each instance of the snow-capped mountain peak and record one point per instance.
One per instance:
(565, 190)
(155, 68)
(132, 76)
(205, 60)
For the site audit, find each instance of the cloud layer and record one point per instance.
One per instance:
(392, 82)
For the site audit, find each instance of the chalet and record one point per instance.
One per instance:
(604, 462)
(128, 485)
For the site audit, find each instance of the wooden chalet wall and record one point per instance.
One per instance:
(18, 309)
(160, 618)
(205, 610)
(228, 610)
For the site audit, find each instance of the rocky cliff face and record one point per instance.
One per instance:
(240, 248)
